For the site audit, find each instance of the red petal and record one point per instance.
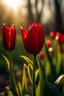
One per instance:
(12, 37)
(24, 34)
(32, 41)
(40, 36)
(5, 36)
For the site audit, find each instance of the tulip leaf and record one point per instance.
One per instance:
(54, 89)
(60, 80)
(26, 59)
(31, 66)
(61, 71)
(53, 70)
(36, 73)
(41, 85)
(10, 93)
(30, 69)
(7, 61)
(38, 90)
(41, 66)
(13, 83)
(20, 88)
(24, 81)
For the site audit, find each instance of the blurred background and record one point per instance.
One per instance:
(50, 13)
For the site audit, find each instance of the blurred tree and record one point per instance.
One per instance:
(37, 16)
(58, 16)
(2, 10)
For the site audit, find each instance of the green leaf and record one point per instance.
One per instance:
(30, 69)
(36, 73)
(20, 88)
(60, 83)
(26, 59)
(41, 85)
(54, 89)
(40, 89)
(10, 93)
(7, 61)
(61, 69)
(53, 70)
(48, 55)
(24, 81)
(60, 80)
(13, 82)
(41, 67)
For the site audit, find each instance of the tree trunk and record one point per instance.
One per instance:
(58, 17)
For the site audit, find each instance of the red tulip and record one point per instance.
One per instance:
(57, 35)
(41, 55)
(9, 37)
(52, 35)
(48, 43)
(33, 39)
(61, 39)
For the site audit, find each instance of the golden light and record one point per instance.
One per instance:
(14, 11)
(13, 4)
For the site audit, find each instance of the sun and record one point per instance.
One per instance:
(13, 4)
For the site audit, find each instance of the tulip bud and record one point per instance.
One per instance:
(52, 35)
(41, 55)
(61, 39)
(57, 35)
(33, 39)
(48, 43)
(9, 37)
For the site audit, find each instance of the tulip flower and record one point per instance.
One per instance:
(57, 35)
(9, 37)
(61, 39)
(33, 39)
(48, 43)
(41, 55)
(9, 40)
(52, 35)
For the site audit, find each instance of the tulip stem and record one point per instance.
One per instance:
(34, 94)
(13, 83)
(63, 60)
(56, 52)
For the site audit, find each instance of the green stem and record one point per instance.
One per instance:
(63, 60)
(56, 52)
(34, 94)
(13, 83)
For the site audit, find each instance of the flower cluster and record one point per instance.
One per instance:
(34, 41)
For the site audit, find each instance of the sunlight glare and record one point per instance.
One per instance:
(13, 3)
